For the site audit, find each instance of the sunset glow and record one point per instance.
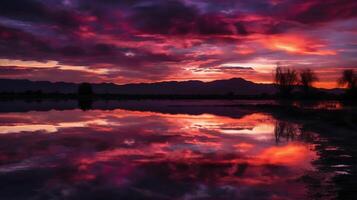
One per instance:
(150, 41)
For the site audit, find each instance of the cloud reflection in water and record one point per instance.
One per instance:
(132, 154)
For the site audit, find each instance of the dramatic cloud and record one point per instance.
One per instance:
(148, 41)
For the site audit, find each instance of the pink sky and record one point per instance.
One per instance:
(150, 41)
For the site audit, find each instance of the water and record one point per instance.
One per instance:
(167, 152)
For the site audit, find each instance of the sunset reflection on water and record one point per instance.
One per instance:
(136, 154)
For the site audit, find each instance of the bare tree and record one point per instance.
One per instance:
(307, 78)
(85, 89)
(349, 79)
(285, 80)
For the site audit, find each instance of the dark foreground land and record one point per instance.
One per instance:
(339, 128)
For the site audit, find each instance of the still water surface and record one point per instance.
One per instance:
(128, 154)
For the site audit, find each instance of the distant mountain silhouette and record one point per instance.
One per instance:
(237, 86)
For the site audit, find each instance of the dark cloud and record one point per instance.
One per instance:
(215, 25)
(17, 44)
(56, 74)
(241, 29)
(36, 11)
(237, 68)
(14, 71)
(317, 11)
(177, 18)
(164, 17)
(147, 39)
(23, 9)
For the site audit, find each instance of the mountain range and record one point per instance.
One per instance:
(236, 86)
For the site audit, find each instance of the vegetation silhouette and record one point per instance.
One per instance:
(307, 78)
(85, 90)
(85, 96)
(285, 80)
(349, 80)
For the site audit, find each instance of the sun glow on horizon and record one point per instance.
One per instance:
(49, 64)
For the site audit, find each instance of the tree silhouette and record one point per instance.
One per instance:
(85, 89)
(285, 80)
(307, 78)
(349, 79)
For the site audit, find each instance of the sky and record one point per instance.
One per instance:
(131, 41)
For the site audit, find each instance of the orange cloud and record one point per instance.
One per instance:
(296, 45)
(290, 154)
(244, 50)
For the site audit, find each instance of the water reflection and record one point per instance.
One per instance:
(85, 103)
(320, 105)
(123, 154)
(288, 131)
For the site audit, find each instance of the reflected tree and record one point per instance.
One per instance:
(290, 131)
(85, 103)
